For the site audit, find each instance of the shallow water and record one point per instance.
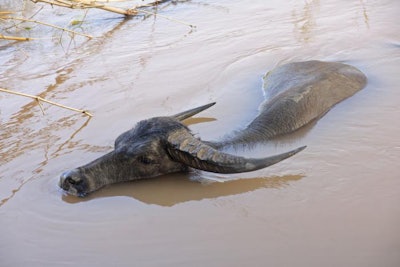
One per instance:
(334, 204)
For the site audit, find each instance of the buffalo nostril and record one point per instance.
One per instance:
(69, 178)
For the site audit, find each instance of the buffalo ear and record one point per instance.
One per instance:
(191, 112)
(183, 147)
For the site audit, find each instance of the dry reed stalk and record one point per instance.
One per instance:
(46, 24)
(83, 4)
(168, 18)
(40, 99)
(6, 12)
(14, 38)
(88, 4)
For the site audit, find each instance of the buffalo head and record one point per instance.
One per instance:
(155, 147)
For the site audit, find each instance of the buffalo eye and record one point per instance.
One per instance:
(145, 160)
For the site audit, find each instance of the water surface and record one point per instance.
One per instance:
(334, 204)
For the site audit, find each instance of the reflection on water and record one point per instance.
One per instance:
(365, 13)
(304, 20)
(170, 190)
(196, 120)
(31, 143)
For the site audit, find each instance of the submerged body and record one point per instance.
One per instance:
(296, 94)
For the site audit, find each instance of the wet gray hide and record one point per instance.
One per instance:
(296, 94)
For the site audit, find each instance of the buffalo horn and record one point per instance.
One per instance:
(191, 112)
(185, 148)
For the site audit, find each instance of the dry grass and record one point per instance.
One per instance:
(106, 5)
(84, 4)
(40, 99)
(41, 23)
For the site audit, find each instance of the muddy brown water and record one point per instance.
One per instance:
(334, 204)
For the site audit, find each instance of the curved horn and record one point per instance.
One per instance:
(185, 148)
(191, 112)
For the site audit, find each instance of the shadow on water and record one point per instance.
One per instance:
(170, 190)
(197, 120)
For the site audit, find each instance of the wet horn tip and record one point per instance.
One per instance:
(256, 164)
(297, 150)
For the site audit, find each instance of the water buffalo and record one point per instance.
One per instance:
(296, 94)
